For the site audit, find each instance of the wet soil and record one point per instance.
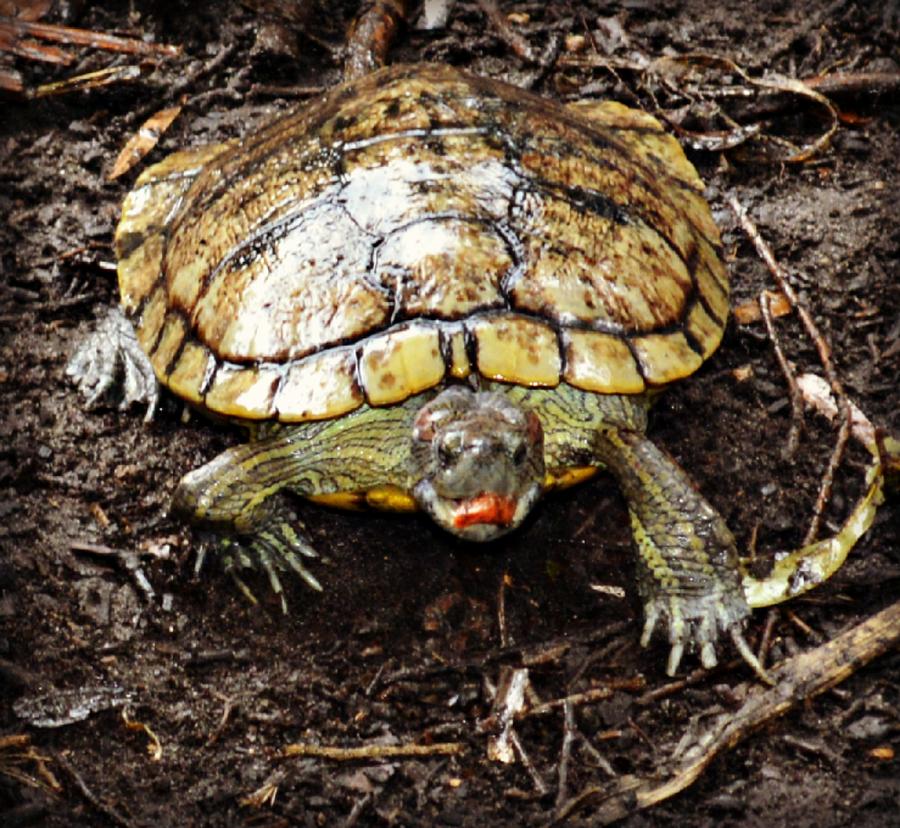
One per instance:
(103, 622)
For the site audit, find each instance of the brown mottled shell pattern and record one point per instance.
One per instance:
(418, 225)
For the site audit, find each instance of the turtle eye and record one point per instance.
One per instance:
(446, 454)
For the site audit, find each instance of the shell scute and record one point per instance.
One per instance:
(420, 224)
(243, 393)
(516, 349)
(401, 363)
(601, 362)
(318, 387)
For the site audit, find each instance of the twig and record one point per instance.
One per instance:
(872, 83)
(585, 697)
(371, 35)
(85, 37)
(800, 678)
(502, 625)
(128, 560)
(266, 793)
(808, 631)
(527, 654)
(227, 710)
(672, 687)
(789, 376)
(765, 641)
(175, 91)
(778, 273)
(340, 754)
(358, 807)
(536, 778)
(828, 478)
(370, 688)
(599, 759)
(508, 35)
(267, 90)
(813, 749)
(508, 704)
(565, 753)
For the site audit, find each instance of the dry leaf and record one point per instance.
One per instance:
(144, 140)
(749, 312)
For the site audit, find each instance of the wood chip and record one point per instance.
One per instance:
(144, 140)
(748, 312)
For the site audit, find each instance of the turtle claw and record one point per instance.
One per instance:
(708, 656)
(274, 549)
(111, 362)
(675, 655)
(695, 623)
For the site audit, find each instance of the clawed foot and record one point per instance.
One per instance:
(696, 623)
(276, 547)
(111, 361)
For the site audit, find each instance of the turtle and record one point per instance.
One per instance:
(430, 290)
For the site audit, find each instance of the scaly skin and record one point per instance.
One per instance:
(688, 571)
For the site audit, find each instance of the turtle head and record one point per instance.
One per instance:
(477, 462)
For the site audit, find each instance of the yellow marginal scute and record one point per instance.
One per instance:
(600, 362)
(637, 130)
(186, 378)
(712, 277)
(400, 363)
(665, 357)
(243, 392)
(139, 272)
(146, 212)
(319, 387)
(705, 330)
(515, 349)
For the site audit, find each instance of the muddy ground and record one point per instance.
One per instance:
(403, 644)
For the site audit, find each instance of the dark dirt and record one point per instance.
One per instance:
(401, 646)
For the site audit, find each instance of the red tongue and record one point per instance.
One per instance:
(486, 508)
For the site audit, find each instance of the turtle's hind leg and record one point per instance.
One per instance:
(111, 362)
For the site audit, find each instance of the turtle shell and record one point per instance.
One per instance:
(414, 226)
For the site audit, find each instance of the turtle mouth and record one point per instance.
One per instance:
(488, 508)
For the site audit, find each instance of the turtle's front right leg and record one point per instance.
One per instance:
(237, 497)
(235, 504)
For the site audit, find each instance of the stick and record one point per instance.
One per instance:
(800, 678)
(371, 35)
(85, 37)
(789, 376)
(340, 754)
(778, 273)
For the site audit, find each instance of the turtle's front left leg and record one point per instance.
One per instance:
(688, 571)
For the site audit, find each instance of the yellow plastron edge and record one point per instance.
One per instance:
(382, 498)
